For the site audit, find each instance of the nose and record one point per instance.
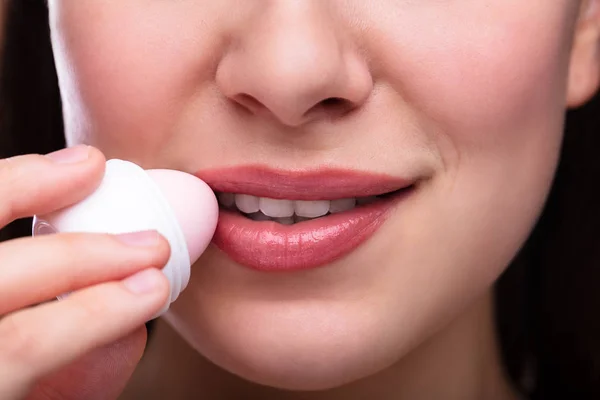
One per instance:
(292, 62)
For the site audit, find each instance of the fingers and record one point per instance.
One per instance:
(100, 375)
(36, 341)
(35, 184)
(37, 269)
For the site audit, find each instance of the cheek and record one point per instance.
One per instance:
(477, 69)
(488, 83)
(127, 69)
(494, 90)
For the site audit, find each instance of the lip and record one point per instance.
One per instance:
(274, 247)
(323, 184)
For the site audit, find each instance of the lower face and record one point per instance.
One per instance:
(460, 103)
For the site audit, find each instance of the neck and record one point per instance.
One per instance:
(460, 362)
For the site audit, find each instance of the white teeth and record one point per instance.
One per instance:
(342, 205)
(276, 208)
(246, 203)
(311, 209)
(226, 199)
(288, 211)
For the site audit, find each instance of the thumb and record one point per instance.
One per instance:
(99, 375)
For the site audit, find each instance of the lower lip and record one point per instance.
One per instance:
(271, 246)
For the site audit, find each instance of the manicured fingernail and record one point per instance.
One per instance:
(139, 239)
(70, 155)
(143, 282)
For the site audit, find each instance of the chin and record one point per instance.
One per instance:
(301, 347)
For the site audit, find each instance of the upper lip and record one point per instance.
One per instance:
(316, 184)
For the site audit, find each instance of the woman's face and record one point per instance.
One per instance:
(463, 100)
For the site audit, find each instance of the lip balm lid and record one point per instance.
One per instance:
(194, 204)
(127, 200)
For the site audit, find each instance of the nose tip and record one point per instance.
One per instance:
(295, 72)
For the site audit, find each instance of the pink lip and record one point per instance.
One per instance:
(270, 246)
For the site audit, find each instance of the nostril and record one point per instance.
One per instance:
(248, 102)
(333, 102)
(331, 108)
(334, 107)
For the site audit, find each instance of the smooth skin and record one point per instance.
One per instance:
(470, 93)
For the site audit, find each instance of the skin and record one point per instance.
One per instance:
(470, 95)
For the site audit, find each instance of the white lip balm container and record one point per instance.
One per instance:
(179, 206)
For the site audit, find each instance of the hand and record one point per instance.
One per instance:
(86, 346)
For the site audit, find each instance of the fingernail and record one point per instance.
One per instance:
(70, 155)
(139, 239)
(143, 282)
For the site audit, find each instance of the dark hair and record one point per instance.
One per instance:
(547, 301)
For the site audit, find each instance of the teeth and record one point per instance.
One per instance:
(288, 211)
(342, 205)
(246, 203)
(311, 209)
(276, 208)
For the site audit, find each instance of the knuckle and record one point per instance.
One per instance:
(90, 311)
(19, 344)
(12, 172)
(8, 167)
(77, 249)
(68, 242)
(16, 186)
(10, 175)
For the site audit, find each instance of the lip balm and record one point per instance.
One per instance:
(178, 205)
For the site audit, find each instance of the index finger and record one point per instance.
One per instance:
(36, 184)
